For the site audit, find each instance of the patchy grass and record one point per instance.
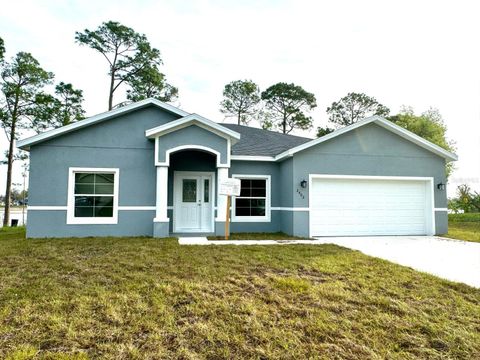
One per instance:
(464, 227)
(127, 298)
(256, 236)
(468, 231)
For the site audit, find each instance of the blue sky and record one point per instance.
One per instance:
(415, 53)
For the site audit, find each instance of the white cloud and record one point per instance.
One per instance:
(407, 52)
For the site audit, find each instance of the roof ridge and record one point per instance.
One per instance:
(270, 131)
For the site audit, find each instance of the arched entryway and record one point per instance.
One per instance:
(191, 191)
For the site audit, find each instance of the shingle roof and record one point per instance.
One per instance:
(259, 142)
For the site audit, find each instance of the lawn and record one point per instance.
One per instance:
(124, 298)
(464, 226)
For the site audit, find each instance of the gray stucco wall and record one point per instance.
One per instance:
(368, 150)
(193, 135)
(121, 143)
(115, 143)
(260, 168)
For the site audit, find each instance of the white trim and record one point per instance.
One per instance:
(192, 147)
(268, 200)
(440, 209)
(430, 198)
(251, 158)
(212, 190)
(408, 135)
(369, 177)
(221, 208)
(290, 208)
(25, 143)
(71, 219)
(46, 208)
(192, 119)
(161, 193)
(136, 208)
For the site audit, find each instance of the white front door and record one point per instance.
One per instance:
(193, 202)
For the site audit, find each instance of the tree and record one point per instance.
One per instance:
(466, 200)
(22, 82)
(62, 109)
(127, 52)
(150, 83)
(321, 131)
(240, 99)
(288, 104)
(428, 125)
(354, 107)
(68, 105)
(2, 49)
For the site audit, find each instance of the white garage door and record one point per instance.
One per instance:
(370, 206)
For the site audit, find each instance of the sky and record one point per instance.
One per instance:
(404, 53)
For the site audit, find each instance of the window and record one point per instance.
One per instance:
(206, 190)
(189, 190)
(92, 196)
(253, 204)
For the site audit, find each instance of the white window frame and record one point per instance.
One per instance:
(71, 219)
(267, 217)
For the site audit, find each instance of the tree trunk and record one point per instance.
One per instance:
(239, 118)
(284, 124)
(8, 191)
(110, 95)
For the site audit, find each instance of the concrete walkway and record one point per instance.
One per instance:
(449, 259)
(205, 241)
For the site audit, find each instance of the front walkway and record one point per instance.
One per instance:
(449, 259)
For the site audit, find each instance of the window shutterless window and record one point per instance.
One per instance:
(92, 196)
(253, 204)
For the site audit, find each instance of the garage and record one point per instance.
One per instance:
(370, 205)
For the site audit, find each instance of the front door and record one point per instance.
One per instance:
(193, 209)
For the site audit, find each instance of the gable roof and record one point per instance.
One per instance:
(408, 135)
(26, 143)
(260, 142)
(192, 119)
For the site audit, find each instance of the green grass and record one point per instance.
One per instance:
(464, 227)
(127, 298)
(256, 236)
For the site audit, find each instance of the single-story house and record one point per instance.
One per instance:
(152, 169)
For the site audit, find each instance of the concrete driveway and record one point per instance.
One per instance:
(449, 259)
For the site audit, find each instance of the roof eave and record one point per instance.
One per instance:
(449, 156)
(192, 119)
(25, 144)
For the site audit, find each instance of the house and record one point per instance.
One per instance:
(152, 169)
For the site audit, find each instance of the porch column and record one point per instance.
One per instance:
(161, 221)
(221, 199)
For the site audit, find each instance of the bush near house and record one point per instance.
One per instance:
(119, 298)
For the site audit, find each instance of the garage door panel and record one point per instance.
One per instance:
(368, 207)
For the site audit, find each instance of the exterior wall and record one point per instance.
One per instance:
(115, 143)
(193, 135)
(260, 168)
(368, 150)
(121, 143)
(43, 224)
